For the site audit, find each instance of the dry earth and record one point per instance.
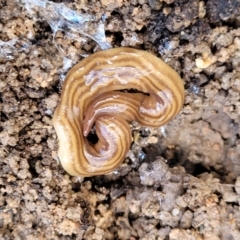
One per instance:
(179, 182)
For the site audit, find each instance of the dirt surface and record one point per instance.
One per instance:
(181, 181)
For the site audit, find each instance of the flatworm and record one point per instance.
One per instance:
(106, 91)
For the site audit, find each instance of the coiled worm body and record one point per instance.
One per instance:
(107, 91)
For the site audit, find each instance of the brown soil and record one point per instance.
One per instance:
(181, 181)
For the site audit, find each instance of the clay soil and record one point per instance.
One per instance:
(178, 182)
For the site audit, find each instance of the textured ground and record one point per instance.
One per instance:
(181, 181)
